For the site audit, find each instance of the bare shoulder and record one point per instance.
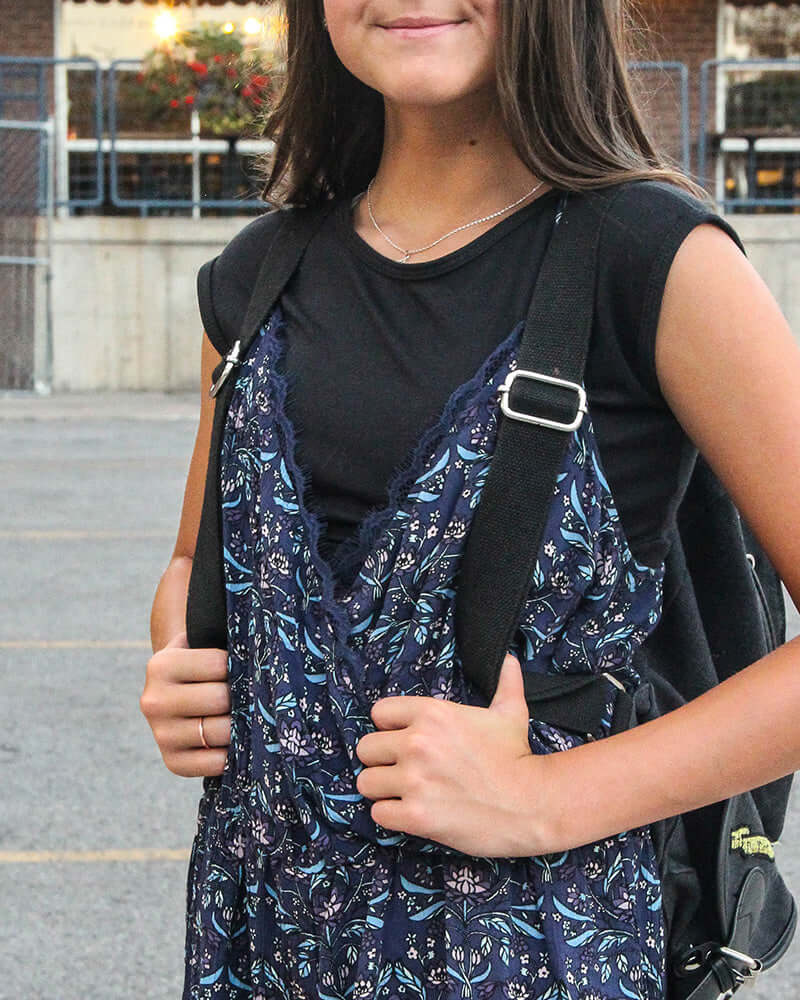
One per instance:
(716, 310)
(729, 368)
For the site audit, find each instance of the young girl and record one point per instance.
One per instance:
(369, 829)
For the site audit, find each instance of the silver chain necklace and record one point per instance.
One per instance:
(458, 229)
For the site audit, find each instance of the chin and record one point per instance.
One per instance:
(426, 90)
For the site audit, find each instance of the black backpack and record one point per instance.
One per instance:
(727, 909)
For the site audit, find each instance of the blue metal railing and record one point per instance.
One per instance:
(169, 175)
(751, 139)
(146, 203)
(20, 68)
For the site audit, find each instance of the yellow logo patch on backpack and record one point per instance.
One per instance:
(742, 840)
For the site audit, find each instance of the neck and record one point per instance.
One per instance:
(441, 168)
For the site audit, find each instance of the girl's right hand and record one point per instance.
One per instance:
(183, 685)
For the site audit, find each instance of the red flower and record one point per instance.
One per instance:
(198, 67)
(140, 77)
(217, 58)
(172, 78)
(189, 99)
(174, 104)
(247, 92)
(257, 100)
(259, 81)
(231, 71)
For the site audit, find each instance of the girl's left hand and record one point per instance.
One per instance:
(458, 774)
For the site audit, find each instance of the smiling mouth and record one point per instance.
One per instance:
(409, 27)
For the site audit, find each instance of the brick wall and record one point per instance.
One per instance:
(27, 27)
(683, 30)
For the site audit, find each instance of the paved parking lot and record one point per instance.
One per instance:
(94, 831)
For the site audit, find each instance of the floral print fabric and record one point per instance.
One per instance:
(293, 890)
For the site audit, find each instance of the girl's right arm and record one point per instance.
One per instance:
(183, 685)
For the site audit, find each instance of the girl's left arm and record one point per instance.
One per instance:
(729, 368)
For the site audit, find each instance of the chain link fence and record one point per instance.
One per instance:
(26, 213)
(749, 143)
(27, 150)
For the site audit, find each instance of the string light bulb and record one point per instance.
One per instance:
(165, 25)
(252, 26)
(228, 27)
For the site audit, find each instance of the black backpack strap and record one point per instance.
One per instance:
(506, 533)
(206, 609)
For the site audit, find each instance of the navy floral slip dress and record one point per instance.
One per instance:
(293, 890)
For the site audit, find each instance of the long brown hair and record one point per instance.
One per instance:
(564, 89)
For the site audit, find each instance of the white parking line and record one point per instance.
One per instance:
(67, 534)
(74, 644)
(135, 854)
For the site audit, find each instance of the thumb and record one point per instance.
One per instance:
(509, 696)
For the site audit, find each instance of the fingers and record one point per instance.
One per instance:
(210, 698)
(197, 763)
(381, 782)
(216, 729)
(176, 734)
(182, 686)
(161, 700)
(182, 748)
(188, 665)
(377, 748)
(181, 640)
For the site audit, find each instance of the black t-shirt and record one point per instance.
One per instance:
(375, 348)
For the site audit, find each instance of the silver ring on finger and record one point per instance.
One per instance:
(202, 733)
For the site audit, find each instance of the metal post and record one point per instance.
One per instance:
(685, 119)
(195, 163)
(43, 379)
(702, 137)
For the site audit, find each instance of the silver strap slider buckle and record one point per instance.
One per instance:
(741, 967)
(529, 418)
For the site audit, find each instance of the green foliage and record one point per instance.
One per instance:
(208, 69)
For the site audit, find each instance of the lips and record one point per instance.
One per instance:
(418, 27)
(417, 22)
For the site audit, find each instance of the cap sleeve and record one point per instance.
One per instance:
(225, 283)
(645, 227)
(208, 315)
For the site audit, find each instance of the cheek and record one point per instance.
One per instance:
(348, 29)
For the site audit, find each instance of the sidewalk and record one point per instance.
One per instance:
(158, 406)
(95, 831)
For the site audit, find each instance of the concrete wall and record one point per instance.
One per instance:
(773, 245)
(125, 310)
